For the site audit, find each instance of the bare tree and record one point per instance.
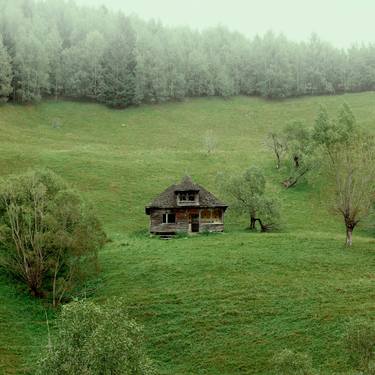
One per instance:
(209, 142)
(277, 144)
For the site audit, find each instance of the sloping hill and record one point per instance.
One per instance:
(220, 304)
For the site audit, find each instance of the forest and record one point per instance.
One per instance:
(62, 50)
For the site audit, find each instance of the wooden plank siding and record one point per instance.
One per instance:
(211, 220)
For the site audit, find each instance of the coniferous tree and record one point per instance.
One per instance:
(118, 86)
(54, 51)
(93, 55)
(30, 69)
(5, 73)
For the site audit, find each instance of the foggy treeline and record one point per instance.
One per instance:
(59, 49)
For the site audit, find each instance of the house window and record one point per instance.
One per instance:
(169, 219)
(187, 197)
(212, 216)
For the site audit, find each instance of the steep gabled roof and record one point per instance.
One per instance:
(187, 184)
(167, 199)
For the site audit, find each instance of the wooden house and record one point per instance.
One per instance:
(186, 207)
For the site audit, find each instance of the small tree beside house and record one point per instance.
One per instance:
(248, 194)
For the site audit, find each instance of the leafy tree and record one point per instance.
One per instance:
(351, 173)
(248, 194)
(299, 153)
(96, 339)
(277, 143)
(349, 157)
(5, 73)
(48, 236)
(328, 133)
(277, 80)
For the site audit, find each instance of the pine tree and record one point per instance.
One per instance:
(54, 50)
(5, 73)
(93, 55)
(31, 68)
(118, 86)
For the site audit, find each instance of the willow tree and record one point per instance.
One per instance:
(299, 153)
(349, 162)
(352, 172)
(49, 237)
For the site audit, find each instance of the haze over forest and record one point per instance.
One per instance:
(341, 23)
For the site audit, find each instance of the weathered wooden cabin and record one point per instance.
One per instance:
(186, 207)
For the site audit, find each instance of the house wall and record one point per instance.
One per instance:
(211, 220)
(157, 226)
(211, 227)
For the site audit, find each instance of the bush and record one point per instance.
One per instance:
(288, 362)
(359, 342)
(96, 339)
(49, 237)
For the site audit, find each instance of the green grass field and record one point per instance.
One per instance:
(217, 304)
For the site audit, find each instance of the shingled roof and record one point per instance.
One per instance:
(186, 184)
(167, 199)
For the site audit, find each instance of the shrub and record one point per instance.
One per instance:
(359, 342)
(288, 362)
(96, 339)
(49, 237)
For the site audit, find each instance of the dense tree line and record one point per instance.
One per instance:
(56, 48)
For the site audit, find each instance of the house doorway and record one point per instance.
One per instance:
(194, 220)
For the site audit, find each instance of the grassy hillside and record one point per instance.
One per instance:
(218, 304)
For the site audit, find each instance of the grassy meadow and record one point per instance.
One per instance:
(210, 304)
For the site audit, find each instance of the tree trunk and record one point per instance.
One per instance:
(349, 236)
(252, 222)
(263, 228)
(296, 162)
(350, 224)
(278, 163)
